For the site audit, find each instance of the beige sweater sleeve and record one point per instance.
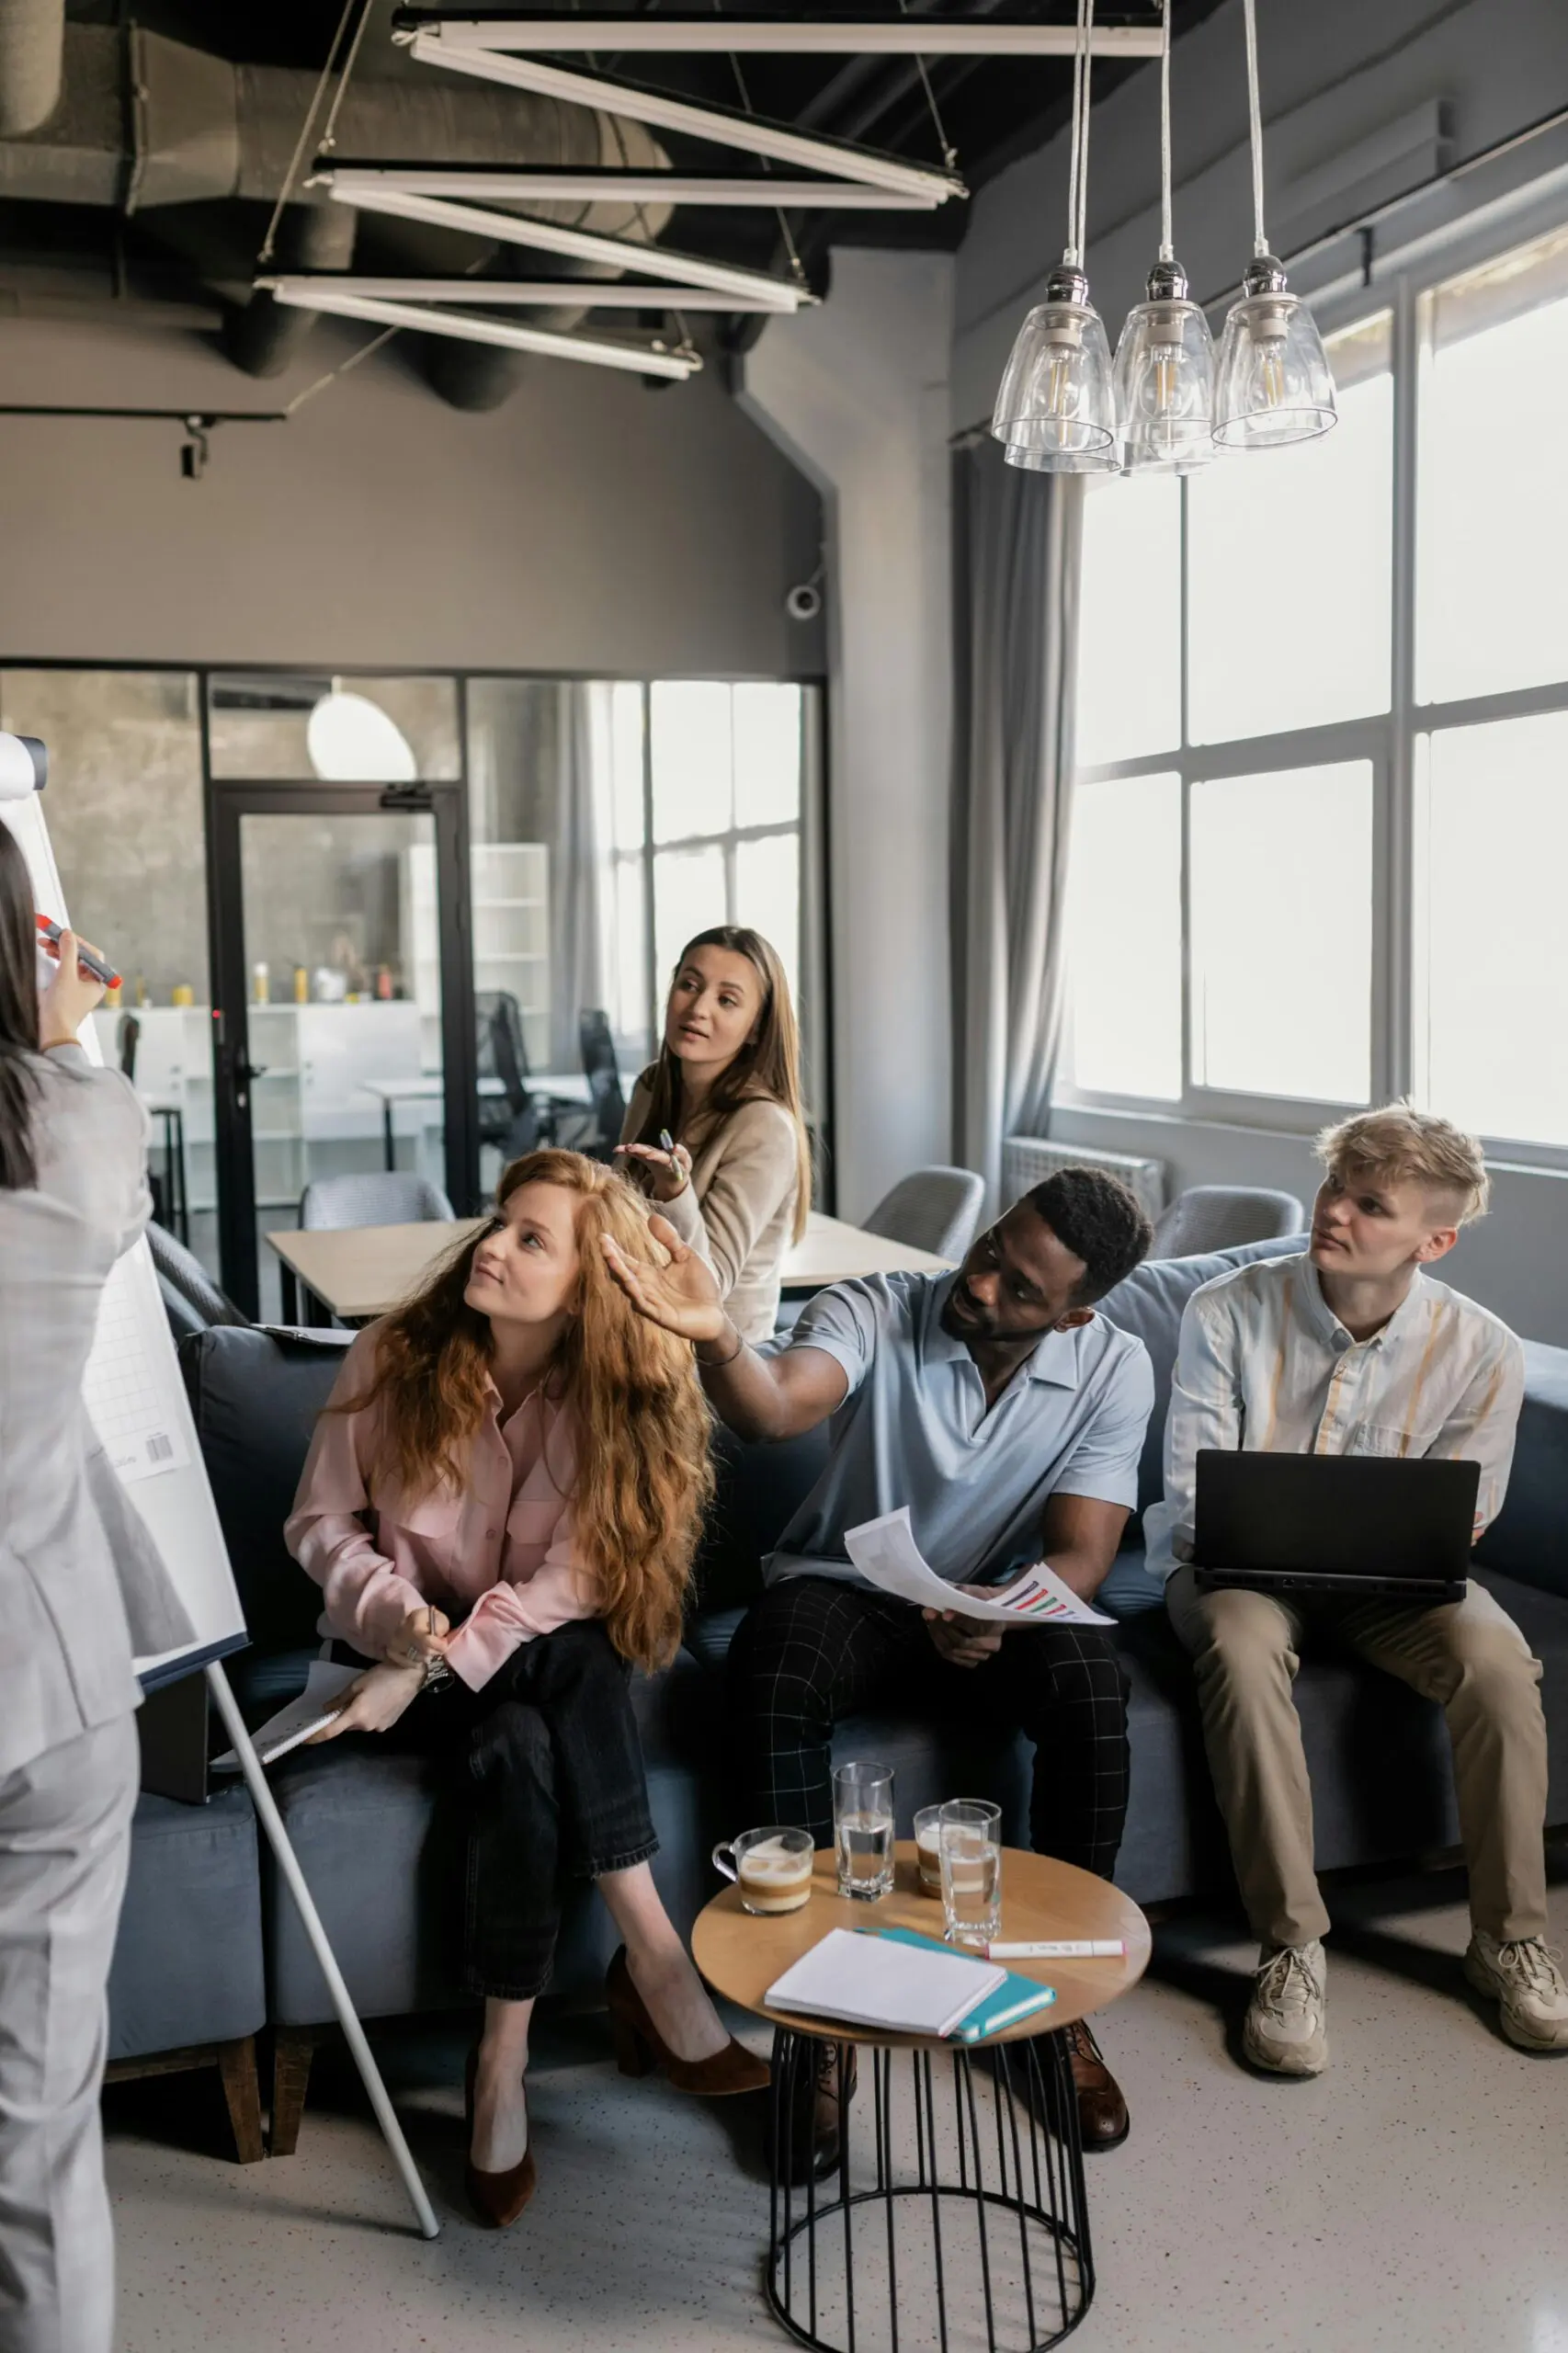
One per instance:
(743, 1183)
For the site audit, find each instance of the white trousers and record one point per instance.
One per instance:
(64, 1846)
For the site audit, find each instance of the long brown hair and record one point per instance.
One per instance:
(643, 1477)
(18, 1017)
(768, 1064)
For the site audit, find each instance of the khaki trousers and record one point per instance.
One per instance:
(1469, 1656)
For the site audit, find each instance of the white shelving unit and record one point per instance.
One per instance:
(174, 1066)
(510, 887)
(309, 1115)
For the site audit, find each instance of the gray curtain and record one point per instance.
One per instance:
(581, 906)
(1017, 541)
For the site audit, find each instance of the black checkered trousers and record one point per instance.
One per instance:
(815, 1651)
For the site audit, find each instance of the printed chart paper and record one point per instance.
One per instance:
(885, 1551)
(125, 1391)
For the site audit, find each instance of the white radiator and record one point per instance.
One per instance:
(1027, 1161)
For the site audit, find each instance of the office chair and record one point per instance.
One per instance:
(511, 1121)
(932, 1209)
(379, 1197)
(1218, 1217)
(595, 1132)
(192, 1301)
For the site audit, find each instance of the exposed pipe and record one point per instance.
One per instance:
(32, 45)
(199, 131)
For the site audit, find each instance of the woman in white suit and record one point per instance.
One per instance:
(81, 1592)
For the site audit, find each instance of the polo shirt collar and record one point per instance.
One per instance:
(1054, 1358)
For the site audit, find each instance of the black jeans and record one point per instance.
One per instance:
(813, 1651)
(548, 1766)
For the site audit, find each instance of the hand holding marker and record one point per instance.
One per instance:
(88, 958)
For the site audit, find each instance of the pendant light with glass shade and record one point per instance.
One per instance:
(1272, 381)
(1164, 357)
(1056, 408)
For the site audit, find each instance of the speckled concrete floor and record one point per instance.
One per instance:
(1414, 2199)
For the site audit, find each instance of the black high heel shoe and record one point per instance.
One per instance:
(497, 2198)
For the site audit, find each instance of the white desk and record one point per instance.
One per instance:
(430, 1086)
(360, 1271)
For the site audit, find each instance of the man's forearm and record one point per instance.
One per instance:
(741, 1386)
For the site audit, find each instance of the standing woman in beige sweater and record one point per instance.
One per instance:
(727, 1087)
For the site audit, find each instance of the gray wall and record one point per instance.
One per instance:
(588, 525)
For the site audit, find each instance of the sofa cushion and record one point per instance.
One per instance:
(187, 1959)
(1530, 1538)
(1149, 1304)
(758, 1491)
(255, 1395)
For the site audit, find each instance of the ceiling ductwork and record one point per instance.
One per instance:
(32, 39)
(195, 130)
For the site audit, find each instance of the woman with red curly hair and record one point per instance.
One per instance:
(501, 1504)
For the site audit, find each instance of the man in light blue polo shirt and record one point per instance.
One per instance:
(1010, 1418)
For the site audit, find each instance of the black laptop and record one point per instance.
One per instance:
(1335, 1523)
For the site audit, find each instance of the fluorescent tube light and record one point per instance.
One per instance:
(515, 293)
(637, 360)
(668, 34)
(528, 183)
(579, 245)
(723, 128)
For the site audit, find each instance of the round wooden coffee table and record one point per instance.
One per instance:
(967, 2181)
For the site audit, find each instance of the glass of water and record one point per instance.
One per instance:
(862, 1826)
(970, 1843)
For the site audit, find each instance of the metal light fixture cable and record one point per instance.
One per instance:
(269, 243)
(1255, 126)
(1168, 243)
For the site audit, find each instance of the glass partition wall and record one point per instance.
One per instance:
(325, 893)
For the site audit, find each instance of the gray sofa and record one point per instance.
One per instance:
(380, 1852)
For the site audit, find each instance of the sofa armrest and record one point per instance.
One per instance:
(1528, 1540)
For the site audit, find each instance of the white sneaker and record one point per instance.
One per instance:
(1523, 1977)
(1287, 2022)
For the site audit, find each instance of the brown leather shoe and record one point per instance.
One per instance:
(816, 2124)
(1103, 2121)
(640, 2046)
(497, 2198)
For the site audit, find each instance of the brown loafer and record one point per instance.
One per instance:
(1103, 2121)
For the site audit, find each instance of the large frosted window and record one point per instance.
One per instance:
(1491, 966)
(1288, 567)
(1281, 893)
(1124, 953)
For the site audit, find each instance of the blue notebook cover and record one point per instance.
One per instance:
(1015, 1999)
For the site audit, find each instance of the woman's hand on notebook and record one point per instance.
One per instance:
(375, 1702)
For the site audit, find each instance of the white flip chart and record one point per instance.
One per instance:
(133, 1388)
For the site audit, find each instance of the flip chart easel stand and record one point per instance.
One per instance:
(288, 1864)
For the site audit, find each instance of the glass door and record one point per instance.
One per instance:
(343, 1019)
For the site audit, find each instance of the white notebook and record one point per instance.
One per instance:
(870, 1981)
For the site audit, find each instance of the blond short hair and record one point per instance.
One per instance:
(1416, 1147)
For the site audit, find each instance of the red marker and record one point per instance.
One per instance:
(85, 956)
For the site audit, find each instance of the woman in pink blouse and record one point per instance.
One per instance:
(501, 1504)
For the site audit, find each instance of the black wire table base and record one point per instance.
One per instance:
(955, 2220)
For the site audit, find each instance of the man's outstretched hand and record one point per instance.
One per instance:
(681, 1297)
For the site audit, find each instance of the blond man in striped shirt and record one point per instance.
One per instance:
(1353, 1347)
